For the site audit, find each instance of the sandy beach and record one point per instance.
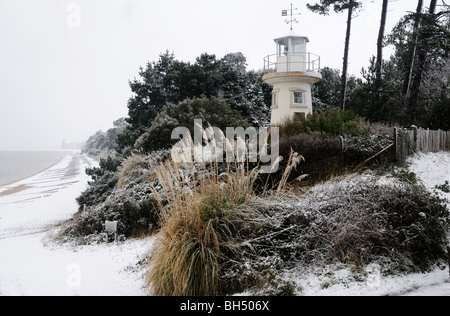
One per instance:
(15, 190)
(40, 200)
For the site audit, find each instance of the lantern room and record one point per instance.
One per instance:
(291, 72)
(291, 53)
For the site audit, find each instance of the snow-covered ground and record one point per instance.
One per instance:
(433, 169)
(32, 264)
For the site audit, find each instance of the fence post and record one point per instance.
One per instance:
(416, 132)
(396, 143)
(448, 253)
(448, 140)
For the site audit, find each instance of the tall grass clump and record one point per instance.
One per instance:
(203, 220)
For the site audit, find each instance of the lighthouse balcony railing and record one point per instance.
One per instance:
(292, 62)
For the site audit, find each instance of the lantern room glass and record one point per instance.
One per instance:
(283, 48)
(297, 46)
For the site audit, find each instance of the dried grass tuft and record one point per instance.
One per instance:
(203, 218)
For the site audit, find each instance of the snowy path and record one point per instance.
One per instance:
(30, 265)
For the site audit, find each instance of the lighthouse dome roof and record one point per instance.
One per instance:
(292, 34)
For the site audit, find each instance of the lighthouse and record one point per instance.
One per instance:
(291, 71)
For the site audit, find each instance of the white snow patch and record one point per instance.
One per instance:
(433, 169)
(30, 267)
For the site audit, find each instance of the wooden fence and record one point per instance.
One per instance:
(410, 141)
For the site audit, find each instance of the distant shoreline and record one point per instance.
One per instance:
(13, 182)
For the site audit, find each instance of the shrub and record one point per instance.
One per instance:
(323, 156)
(135, 220)
(109, 164)
(444, 187)
(355, 222)
(334, 143)
(104, 181)
(138, 219)
(332, 122)
(125, 195)
(98, 190)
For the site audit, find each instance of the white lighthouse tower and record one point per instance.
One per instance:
(291, 72)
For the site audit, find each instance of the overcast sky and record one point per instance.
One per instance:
(65, 64)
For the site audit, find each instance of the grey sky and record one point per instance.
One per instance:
(65, 64)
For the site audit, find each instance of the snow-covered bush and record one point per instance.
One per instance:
(99, 190)
(134, 220)
(126, 195)
(356, 222)
(364, 146)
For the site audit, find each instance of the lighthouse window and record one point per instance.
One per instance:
(297, 46)
(283, 48)
(298, 97)
(275, 99)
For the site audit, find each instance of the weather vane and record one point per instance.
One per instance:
(292, 19)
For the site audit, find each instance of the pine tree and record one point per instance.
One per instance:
(323, 7)
(171, 81)
(409, 64)
(379, 63)
(420, 69)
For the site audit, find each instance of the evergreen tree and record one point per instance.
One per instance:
(325, 93)
(323, 7)
(378, 100)
(422, 48)
(211, 111)
(412, 48)
(421, 64)
(171, 81)
(380, 41)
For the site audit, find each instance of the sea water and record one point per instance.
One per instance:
(18, 165)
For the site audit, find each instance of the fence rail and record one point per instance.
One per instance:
(410, 141)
